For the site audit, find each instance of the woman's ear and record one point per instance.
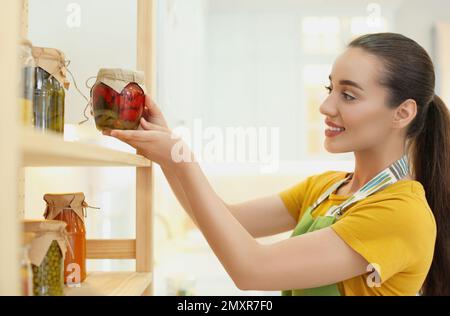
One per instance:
(405, 114)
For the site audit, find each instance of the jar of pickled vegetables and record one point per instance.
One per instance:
(118, 99)
(49, 89)
(26, 83)
(70, 208)
(47, 253)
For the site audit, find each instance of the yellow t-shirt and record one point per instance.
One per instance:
(393, 229)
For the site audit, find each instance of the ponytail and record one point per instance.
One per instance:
(431, 165)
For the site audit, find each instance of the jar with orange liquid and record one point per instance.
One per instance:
(70, 208)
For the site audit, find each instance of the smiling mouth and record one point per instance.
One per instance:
(336, 129)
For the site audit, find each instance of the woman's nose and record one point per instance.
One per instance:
(328, 107)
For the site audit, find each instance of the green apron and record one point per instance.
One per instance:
(307, 224)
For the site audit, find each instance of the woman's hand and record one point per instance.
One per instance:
(154, 139)
(153, 114)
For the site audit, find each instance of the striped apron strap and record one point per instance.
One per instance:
(390, 175)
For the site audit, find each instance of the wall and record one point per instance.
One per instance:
(417, 19)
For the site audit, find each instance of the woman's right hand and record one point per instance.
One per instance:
(153, 114)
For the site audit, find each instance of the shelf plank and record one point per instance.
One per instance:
(111, 249)
(50, 150)
(112, 284)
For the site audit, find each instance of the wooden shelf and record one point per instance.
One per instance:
(21, 147)
(49, 150)
(112, 284)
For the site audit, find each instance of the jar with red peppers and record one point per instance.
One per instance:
(118, 99)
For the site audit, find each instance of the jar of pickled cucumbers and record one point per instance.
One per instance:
(26, 89)
(49, 89)
(118, 99)
(47, 254)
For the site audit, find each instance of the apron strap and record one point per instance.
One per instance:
(388, 176)
(327, 193)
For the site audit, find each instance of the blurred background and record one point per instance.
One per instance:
(220, 63)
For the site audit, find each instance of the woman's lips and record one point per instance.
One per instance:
(333, 132)
(331, 124)
(333, 129)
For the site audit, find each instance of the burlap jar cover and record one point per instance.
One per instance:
(56, 203)
(46, 231)
(54, 62)
(27, 59)
(118, 79)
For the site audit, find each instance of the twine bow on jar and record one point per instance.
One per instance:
(56, 203)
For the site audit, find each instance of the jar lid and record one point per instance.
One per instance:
(26, 42)
(46, 232)
(25, 53)
(42, 226)
(118, 79)
(56, 203)
(53, 61)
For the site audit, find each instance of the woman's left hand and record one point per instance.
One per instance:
(155, 142)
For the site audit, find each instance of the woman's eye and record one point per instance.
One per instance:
(348, 97)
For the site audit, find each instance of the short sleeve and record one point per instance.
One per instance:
(294, 196)
(390, 233)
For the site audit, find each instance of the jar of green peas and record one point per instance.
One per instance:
(47, 254)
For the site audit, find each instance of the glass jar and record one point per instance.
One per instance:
(48, 276)
(26, 83)
(26, 272)
(70, 208)
(118, 99)
(47, 256)
(181, 285)
(49, 89)
(48, 103)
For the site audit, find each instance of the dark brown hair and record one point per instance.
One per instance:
(409, 74)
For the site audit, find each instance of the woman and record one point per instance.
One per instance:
(379, 230)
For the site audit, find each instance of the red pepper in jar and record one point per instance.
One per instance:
(132, 99)
(114, 110)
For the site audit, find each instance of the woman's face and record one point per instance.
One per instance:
(357, 102)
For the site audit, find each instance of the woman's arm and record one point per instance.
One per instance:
(261, 217)
(265, 216)
(306, 261)
(179, 192)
